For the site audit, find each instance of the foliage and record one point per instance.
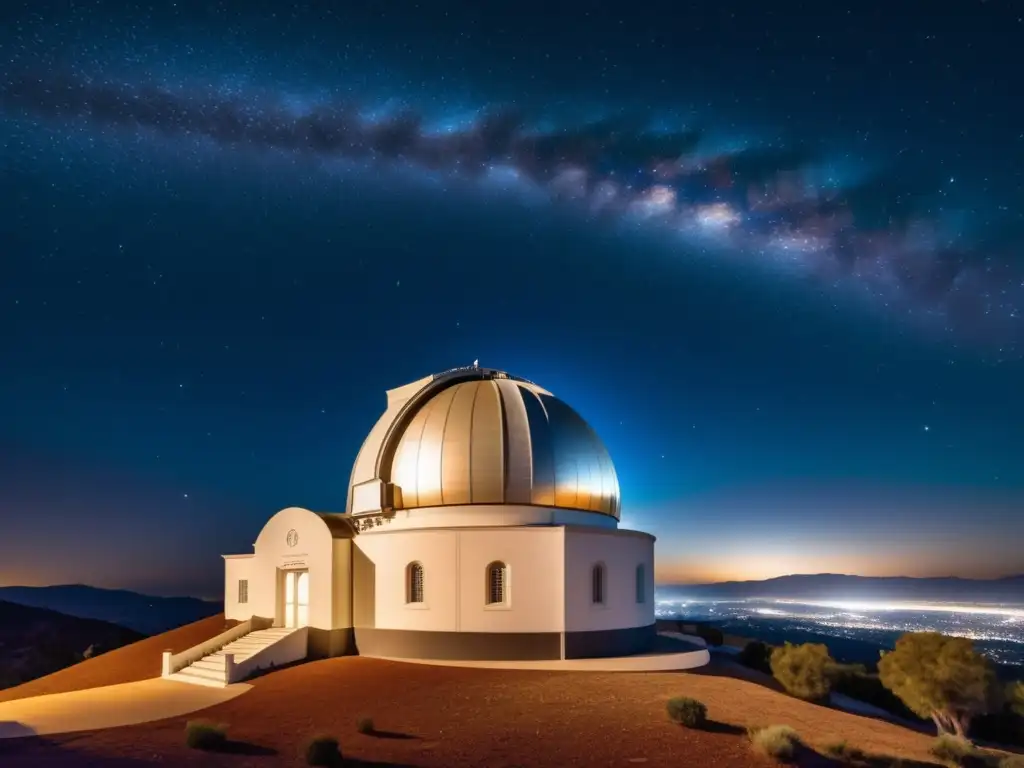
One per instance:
(939, 677)
(779, 742)
(803, 670)
(756, 655)
(1015, 697)
(842, 751)
(956, 751)
(688, 712)
(365, 725)
(710, 635)
(867, 687)
(205, 735)
(323, 751)
(1003, 727)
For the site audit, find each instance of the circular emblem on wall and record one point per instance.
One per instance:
(292, 538)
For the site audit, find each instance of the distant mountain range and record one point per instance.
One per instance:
(35, 641)
(831, 586)
(143, 613)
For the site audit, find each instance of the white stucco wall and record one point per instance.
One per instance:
(454, 565)
(313, 551)
(620, 552)
(236, 567)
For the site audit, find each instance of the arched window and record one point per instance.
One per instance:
(414, 583)
(641, 583)
(497, 583)
(597, 584)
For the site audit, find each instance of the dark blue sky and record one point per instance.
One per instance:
(782, 279)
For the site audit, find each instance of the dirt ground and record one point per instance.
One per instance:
(441, 716)
(138, 661)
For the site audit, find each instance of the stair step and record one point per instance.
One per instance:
(211, 663)
(184, 677)
(211, 669)
(209, 674)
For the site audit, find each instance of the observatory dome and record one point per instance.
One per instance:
(481, 436)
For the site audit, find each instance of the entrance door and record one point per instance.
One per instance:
(296, 598)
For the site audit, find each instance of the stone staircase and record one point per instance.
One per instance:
(212, 669)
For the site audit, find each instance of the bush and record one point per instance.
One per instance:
(205, 735)
(323, 751)
(710, 635)
(866, 687)
(688, 712)
(365, 725)
(953, 750)
(842, 751)
(1000, 727)
(779, 742)
(803, 670)
(756, 655)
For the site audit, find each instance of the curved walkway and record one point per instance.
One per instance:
(109, 707)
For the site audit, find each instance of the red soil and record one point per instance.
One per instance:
(440, 716)
(138, 661)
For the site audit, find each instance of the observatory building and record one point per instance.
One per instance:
(482, 523)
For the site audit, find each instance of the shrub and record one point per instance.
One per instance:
(1015, 697)
(866, 687)
(779, 742)
(954, 750)
(710, 635)
(803, 670)
(688, 712)
(205, 735)
(323, 751)
(756, 655)
(999, 727)
(365, 725)
(842, 751)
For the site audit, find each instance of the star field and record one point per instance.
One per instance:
(773, 255)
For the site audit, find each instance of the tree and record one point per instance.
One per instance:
(939, 677)
(803, 670)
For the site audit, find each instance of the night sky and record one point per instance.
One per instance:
(772, 252)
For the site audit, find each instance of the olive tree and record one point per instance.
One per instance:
(939, 677)
(803, 670)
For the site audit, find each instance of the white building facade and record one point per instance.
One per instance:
(481, 523)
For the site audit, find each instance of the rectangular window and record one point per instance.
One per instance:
(243, 591)
(641, 584)
(597, 585)
(496, 583)
(415, 587)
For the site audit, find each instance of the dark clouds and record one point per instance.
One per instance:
(875, 235)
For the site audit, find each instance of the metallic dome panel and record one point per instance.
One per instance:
(499, 440)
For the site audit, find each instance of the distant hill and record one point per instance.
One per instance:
(143, 613)
(830, 586)
(36, 642)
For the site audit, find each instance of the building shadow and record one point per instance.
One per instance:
(11, 729)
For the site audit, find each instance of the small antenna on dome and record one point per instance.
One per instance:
(476, 363)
